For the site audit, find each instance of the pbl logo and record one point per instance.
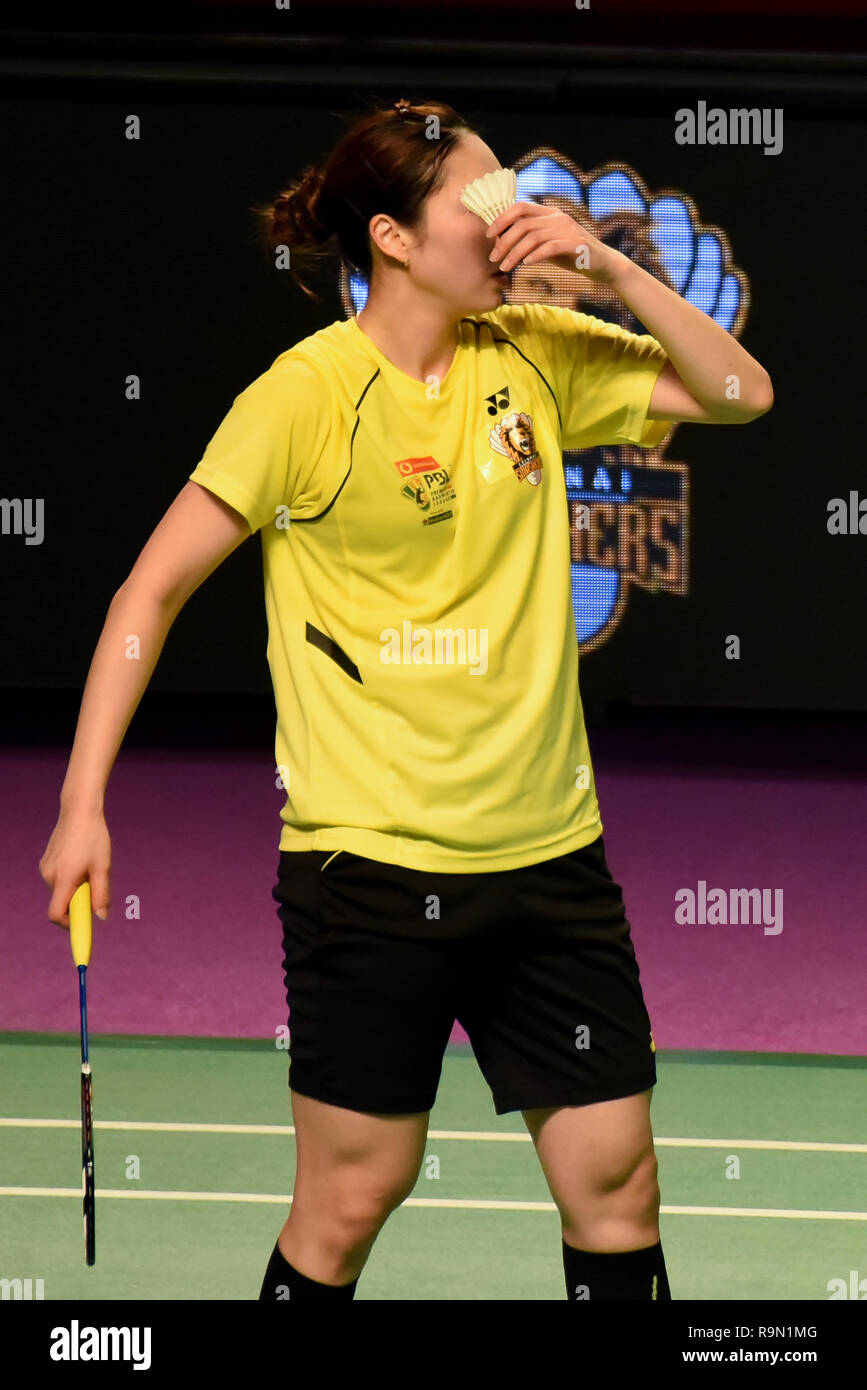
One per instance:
(628, 507)
(428, 485)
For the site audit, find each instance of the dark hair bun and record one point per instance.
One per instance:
(298, 212)
(385, 163)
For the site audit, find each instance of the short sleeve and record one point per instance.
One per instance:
(270, 448)
(602, 377)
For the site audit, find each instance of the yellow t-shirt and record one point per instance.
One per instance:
(416, 553)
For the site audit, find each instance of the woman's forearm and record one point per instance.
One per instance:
(706, 357)
(127, 651)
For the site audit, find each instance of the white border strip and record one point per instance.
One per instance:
(789, 1145)
(282, 1199)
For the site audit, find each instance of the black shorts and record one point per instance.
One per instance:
(536, 964)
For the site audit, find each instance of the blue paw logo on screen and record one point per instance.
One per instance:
(628, 507)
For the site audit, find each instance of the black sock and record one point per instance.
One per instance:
(630, 1274)
(282, 1281)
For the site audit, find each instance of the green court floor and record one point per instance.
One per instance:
(195, 1154)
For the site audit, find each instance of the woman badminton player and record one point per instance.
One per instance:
(441, 851)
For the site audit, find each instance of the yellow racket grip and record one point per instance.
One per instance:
(80, 924)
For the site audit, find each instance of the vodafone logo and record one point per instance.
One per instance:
(428, 464)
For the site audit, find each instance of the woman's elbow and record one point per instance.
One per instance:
(765, 399)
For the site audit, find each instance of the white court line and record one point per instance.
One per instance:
(442, 1203)
(793, 1145)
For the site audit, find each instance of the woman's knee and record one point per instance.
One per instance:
(355, 1166)
(629, 1189)
(637, 1194)
(616, 1210)
(353, 1203)
(646, 1179)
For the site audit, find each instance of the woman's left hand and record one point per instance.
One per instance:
(528, 233)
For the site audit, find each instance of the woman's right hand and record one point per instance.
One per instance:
(79, 850)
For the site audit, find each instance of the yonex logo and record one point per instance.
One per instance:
(498, 401)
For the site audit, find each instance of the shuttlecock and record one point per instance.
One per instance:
(487, 197)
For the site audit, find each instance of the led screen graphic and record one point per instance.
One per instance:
(628, 507)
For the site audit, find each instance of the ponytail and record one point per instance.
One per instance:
(388, 162)
(296, 220)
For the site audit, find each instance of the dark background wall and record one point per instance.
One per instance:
(141, 257)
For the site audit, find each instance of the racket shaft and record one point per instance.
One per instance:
(87, 1171)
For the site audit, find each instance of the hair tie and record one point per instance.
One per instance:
(402, 106)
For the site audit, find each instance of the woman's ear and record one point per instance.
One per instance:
(388, 236)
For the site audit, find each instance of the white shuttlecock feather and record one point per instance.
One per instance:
(487, 197)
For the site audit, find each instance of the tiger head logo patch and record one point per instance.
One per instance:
(513, 438)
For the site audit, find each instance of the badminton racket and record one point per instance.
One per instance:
(80, 939)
